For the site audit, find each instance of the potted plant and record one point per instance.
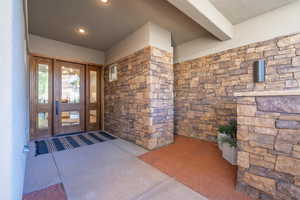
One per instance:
(228, 142)
(221, 135)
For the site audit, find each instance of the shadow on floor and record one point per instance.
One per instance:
(198, 165)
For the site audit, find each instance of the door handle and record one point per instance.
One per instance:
(57, 107)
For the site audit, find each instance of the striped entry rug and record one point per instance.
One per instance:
(70, 142)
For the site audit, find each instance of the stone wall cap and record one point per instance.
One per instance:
(268, 93)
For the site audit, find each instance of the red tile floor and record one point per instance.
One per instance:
(55, 192)
(199, 165)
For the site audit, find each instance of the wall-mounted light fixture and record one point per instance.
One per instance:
(113, 73)
(259, 71)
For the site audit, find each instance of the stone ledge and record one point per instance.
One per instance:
(268, 93)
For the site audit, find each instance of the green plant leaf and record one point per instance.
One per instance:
(230, 130)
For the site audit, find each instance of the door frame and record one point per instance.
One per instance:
(34, 132)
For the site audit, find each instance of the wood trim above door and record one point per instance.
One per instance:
(78, 61)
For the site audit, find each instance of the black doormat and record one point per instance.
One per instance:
(70, 142)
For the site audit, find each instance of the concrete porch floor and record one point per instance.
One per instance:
(110, 170)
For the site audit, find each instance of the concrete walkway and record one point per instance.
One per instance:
(108, 170)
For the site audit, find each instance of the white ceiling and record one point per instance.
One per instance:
(238, 11)
(107, 25)
(57, 19)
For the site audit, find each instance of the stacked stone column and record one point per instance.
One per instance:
(139, 105)
(269, 147)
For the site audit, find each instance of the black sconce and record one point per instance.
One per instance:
(259, 71)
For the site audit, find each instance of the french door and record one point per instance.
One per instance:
(69, 113)
(64, 97)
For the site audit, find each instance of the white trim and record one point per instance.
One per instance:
(268, 93)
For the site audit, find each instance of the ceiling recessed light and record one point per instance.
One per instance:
(105, 2)
(81, 30)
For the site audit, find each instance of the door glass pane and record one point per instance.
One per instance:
(43, 81)
(93, 87)
(93, 116)
(71, 118)
(42, 120)
(70, 85)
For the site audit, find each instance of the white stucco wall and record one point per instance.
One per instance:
(13, 101)
(279, 22)
(149, 34)
(160, 37)
(57, 49)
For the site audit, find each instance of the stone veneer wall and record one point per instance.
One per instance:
(204, 87)
(139, 105)
(269, 147)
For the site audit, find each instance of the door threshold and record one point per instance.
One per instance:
(67, 134)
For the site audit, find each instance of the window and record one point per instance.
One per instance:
(113, 73)
(42, 120)
(93, 86)
(70, 118)
(43, 81)
(93, 116)
(70, 82)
